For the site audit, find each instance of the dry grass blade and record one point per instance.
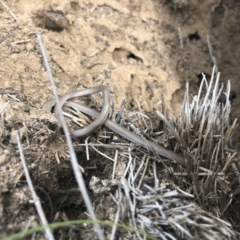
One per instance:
(210, 49)
(77, 172)
(9, 10)
(36, 200)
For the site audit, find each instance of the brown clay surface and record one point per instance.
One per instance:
(133, 47)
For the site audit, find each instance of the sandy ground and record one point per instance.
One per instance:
(139, 49)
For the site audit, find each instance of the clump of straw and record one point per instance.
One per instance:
(202, 133)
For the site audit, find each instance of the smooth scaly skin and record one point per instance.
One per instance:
(85, 132)
(101, 118)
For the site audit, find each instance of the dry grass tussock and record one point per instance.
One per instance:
(196, 199)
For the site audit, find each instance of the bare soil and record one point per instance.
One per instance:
(133, 47)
